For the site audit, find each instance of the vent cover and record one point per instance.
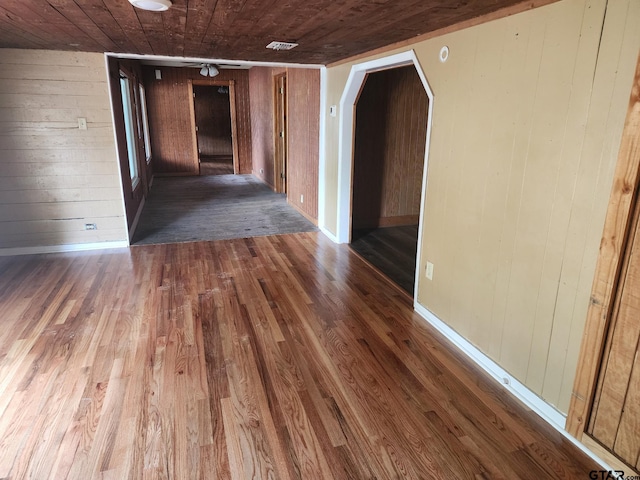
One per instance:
(282, 45)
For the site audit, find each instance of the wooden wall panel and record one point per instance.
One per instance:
(261, 96)
(170, 121)
(54, 177)
(303, 114)
(527, 120)
(303, 119)
(391, 132)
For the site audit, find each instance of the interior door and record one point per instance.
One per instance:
(615, 416)
(280, 132)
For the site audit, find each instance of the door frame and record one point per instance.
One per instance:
(619, 219)
(234, 125)
(280, 183)
(346, 142)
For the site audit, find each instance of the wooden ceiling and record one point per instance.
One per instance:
(327, 30)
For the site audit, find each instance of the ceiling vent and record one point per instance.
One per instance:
(282, 45)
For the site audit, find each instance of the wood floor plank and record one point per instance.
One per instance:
(282, 357)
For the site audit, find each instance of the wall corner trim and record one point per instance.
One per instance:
(545, 410)
(73, 247)
(328, 234)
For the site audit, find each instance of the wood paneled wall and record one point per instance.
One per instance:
(262, 113)
(54, 177)
(303, 122)
(527, 121)
(390, 138)
(170, 123)
(303, 119)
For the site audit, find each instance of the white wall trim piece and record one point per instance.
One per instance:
(171, 61)
(115, 145)
(71, 247)
(346, 131)
(545, 410)
(329, 235)
(322, 151)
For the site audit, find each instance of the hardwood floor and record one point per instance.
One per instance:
(273, 357)
(392, 250)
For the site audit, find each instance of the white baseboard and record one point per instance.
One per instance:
(546, 411)
(75, 247)
(329, 235)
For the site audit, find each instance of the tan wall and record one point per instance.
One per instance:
(54, 177)
(528, 114)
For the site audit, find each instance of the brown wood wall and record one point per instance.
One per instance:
(261, 93)
(391, 126)
(213, 118)
(303, 119)
(170, 123)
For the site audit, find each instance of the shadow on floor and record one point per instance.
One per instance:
(186, 209)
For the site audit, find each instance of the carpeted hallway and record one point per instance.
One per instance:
(186, 209)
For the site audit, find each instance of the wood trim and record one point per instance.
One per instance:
(613, 461)
(303, 213)
(496, 15)
(278, 150)
(616, 228)
(194, 134)
(234, 126)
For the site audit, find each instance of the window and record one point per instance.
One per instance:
(145, 124)
(127, 107)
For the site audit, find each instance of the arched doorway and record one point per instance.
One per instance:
(347, 141)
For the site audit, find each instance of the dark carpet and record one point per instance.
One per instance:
(186, 209)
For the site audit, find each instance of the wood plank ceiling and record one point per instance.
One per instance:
(327, 30)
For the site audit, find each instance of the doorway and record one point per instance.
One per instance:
(388, 160)
(214, 121)
(280, 132)
(212, 111)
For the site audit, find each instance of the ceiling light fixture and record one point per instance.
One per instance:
(209, 70)
(152, 5)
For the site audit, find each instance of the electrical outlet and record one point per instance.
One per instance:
(301, 198)
(90, 226)
(429, 270)
(82, 123)
(262, 170)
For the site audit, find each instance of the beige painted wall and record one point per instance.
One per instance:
(54, 177)
(528, 114)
